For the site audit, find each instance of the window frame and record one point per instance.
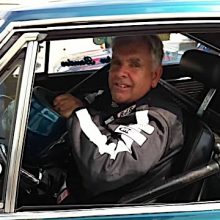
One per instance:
(13, 163)
(149, 209)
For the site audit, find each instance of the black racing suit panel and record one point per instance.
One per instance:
(114, 145)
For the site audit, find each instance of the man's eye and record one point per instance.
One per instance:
(135, 65)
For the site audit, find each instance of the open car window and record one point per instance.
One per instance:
(78, 55)
(86, 62)
(90, 54)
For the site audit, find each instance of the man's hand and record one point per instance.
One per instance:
(65, 104)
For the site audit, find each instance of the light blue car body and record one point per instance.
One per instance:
(113, 8)
(78, 10)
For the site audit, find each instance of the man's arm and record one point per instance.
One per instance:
(110, 156)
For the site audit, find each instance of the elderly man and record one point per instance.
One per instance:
(126, 132)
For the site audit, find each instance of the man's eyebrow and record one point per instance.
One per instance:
(134, 60)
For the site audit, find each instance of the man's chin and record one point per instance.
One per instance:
(120, 100)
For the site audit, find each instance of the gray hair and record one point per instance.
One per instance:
(153, 42)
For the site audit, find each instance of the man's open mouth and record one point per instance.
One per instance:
(122, 86)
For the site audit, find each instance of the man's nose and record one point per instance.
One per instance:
(123, 71)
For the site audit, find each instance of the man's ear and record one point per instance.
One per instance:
(156, 75)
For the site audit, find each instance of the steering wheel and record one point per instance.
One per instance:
(46, 131)
(46, 127)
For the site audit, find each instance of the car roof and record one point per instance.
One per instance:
(92, 8)
(113, 10)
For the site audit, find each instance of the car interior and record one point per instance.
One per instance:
(193, 82)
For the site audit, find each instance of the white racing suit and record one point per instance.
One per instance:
(113, 146)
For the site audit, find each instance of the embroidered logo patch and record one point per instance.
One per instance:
(134, 134)
(125, 112)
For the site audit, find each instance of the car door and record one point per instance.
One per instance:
(17, 79)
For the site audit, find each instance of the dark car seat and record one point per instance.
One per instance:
(205, 68)
(199, 138)
(199, 141)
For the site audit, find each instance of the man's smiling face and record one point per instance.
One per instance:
(131, 74)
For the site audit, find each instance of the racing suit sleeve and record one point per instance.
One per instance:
(110, 156)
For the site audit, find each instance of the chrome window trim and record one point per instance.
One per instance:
(90, 26)
(113, 211)
(6, 31)
(117, 18)
(7, 37)
(113, 18)
(16, 46)
(20, 124)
